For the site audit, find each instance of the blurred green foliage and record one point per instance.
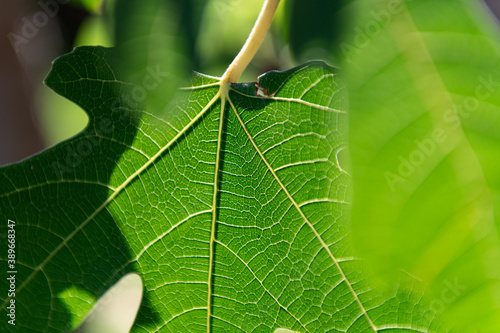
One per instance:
(424, 83)
(93, 6)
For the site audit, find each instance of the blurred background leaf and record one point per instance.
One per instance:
(424, 81)
(94, 6)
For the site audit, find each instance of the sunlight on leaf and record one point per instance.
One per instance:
(231, 202)
(284, 330)
(77, 301)
(116, 310)
(250, 184)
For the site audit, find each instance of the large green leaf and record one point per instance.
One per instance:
(229, 209)
(424, 80)
(232, 208)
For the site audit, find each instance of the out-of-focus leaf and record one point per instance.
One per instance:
(151, 44)
(424, 80)
(93, 6)
(94, 31)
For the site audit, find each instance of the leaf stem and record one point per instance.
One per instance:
(253, 42)
(223, 93)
